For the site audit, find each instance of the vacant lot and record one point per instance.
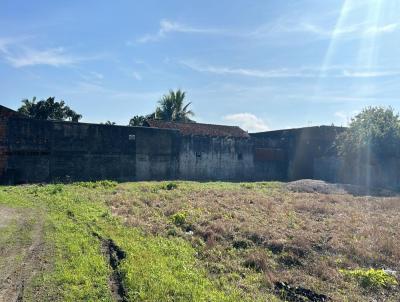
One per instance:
(188, 241)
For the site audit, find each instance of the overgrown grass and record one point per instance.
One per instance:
(155, 269)
(189, 241)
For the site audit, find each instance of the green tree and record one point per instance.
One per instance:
(172, 108)
(139, 120)
(109, 123)
(48, 109)
(374, 132)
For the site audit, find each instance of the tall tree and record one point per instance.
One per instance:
(172, 107)
(48, 109)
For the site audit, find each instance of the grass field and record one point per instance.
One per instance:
(189, 241)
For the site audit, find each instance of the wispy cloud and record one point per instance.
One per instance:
(53, 57)
(92, 76)
(301, 72)
(6, 42)
(167, 27)
(370, 74)
(352, 31)
(3, 44)
(247, 121)
(277, 27)
(248, 72)
(382, 29)
(15, 52)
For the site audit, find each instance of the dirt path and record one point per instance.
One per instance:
(21, 251)
(6, 216)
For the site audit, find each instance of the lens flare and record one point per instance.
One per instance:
(335, 36)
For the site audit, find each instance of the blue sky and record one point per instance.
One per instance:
(258, 64)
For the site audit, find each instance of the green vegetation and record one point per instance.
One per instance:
(155, 269)
(179, 218)
(373, 132)
(371, 278)
(189, 241)
(48, 109)
(171, 108)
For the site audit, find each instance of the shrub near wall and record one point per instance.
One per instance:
(370, 148)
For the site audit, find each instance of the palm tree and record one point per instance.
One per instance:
(28, 107)
(172, 107)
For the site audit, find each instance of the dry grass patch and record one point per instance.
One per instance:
(252, 235)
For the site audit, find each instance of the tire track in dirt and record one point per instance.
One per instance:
(23, 260)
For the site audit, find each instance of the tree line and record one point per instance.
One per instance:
(171, 107)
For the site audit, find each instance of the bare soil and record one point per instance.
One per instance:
(20, 251)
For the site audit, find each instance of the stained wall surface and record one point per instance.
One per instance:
(45, 151)
(42, 151)
(216, 158)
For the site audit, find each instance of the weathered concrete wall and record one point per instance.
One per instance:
(40, 151)
(216, 158)
(43, 151)
(359, 172)
(270, 159)
(5, 114)
(157, 153)
(328, 168)
(3, 146)
(290, 154)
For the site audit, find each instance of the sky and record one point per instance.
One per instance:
(260, 64)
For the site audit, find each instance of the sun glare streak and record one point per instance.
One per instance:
(344, 13)
(368, 50)
(333, 44)
(377, 18)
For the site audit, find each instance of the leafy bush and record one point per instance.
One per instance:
(179, 218)
(371, 278)
(375, 131)
(105, 184)
(170, 186)
(57, 188)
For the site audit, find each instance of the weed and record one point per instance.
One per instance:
(170, 186)
(105, 184)
(55, 189)
(371, 278)
(179, 218)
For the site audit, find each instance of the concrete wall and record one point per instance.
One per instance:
(216, 158)
(3, 146)
(44, 151)
(359, 172)
(290, 154)
(40, 151)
